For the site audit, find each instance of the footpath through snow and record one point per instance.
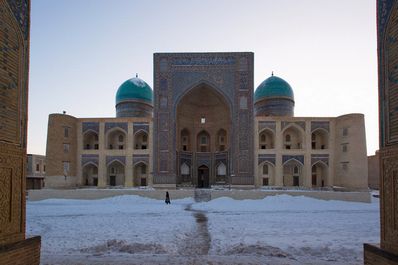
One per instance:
(134, 230)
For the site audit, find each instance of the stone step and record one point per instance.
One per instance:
(202, 195)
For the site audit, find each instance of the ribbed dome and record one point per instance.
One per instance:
(273, 87)
(134, 89)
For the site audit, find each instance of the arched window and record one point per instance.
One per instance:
(266, 139)
(140, 174)
(184, 169)
(90, 140)
(293, 138)
(141, 140)
(319, 139)
(185, 173)
(185, 141)
(265, 169)
(116, 139)
(203, 140)
(221, 140)
(221, 170)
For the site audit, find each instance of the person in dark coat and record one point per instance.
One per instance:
(167, 201)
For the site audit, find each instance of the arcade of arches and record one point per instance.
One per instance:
(202, 125)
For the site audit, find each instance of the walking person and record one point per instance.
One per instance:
(167, 201)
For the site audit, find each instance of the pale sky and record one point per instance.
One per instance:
(82, 51)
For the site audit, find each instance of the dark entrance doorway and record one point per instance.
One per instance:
(314, 180)
(112, 180)
(295, 180)
(203, 177)
(143, 181)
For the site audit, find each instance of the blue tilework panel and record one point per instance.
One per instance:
(266, 125)
(20, 9)
(121, 159)
(298, 123)
(320, 125)
(89, 159)
(320, 157)
(111, 125)
(266, 158)
(93, 126)
(140, 158)
(144, 126)
(299, 158)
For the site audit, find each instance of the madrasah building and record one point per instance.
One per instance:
(203, 125)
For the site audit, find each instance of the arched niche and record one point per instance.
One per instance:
(185, 172)
(185, 140)
(319, 174)
(203, 142)
(115, 173)
(293, 173)
(221, 173)
(266, 139)
(90, 174)
(116, 139)
(266, 174)
(203, 108)
(292, 138)
(90, 140)
(221, 140)
(140, 174)
(141, 140)
(319, 139)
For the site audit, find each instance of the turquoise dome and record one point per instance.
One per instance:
(273, 87)
(134, 89)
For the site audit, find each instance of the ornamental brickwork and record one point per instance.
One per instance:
(14, 73)
(387, 33)
(227, 74)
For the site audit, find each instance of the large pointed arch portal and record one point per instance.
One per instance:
(203, 113)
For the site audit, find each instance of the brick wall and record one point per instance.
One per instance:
(26, 252)
(373, 255)
(56, 138)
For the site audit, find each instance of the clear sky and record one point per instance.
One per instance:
(82, 51)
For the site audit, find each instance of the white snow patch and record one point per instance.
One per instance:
(138, 82)
(293, 228)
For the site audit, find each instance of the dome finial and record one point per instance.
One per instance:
(136, 75)
(272, 73)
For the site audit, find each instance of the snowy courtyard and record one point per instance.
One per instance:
(130, 229)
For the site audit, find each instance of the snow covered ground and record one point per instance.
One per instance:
(135, 230)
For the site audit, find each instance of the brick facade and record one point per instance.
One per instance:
(14, 73)
(387, 35)
(25, 252)
(227, 74)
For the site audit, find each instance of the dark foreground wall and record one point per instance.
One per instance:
(387, 34)
(14, 71)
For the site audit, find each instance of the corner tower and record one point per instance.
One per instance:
(134, 98)
(274, 97)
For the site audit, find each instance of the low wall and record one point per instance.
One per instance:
(60, 182)
(25, 252)
(91, 194)
(374, 255)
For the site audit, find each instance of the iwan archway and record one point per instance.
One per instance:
(203, 114)
(203, 126)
